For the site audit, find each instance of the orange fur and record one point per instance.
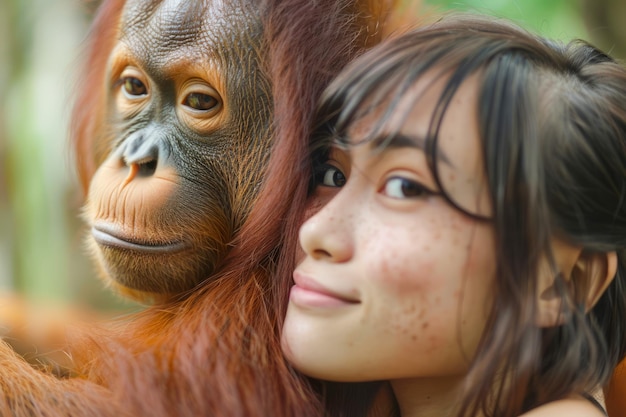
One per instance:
(616, 392)
(214, 351)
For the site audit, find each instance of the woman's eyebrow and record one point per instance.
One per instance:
(401, 140)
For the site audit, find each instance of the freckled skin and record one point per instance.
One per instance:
(176, 181)
(421, 270)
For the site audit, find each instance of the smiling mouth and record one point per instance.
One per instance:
(311, 298)
(105, 236)
(309, 293)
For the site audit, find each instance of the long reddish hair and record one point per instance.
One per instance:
(216, 351)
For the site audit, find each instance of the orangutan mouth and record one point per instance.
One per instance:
(109, 236)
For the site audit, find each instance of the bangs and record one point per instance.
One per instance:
(381, 80)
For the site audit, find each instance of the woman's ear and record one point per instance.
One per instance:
(591, 276)
(585, 280)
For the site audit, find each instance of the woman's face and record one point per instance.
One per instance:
(395, 282)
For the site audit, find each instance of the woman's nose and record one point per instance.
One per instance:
(327, 235)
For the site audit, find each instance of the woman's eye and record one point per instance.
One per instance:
(330, 176)
(133, 87)
(398, 187)
(200, 101)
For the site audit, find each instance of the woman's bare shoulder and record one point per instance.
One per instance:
(571, 407)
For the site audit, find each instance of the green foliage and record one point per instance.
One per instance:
(559, 19)
(42, 255)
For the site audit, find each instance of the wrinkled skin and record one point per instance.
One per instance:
(184, 144)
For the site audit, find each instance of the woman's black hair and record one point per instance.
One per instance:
(552, 121)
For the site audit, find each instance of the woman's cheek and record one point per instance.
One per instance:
(415, 259)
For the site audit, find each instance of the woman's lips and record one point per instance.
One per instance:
(308, 293)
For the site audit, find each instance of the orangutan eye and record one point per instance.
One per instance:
(401, 188)
(200, 101)
(133, 87)
(329, 176)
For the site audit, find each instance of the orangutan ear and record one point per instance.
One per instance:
(586, 281)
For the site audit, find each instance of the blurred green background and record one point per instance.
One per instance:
(41, 237)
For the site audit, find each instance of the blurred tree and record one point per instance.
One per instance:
(36, 166)
(41, 239)
(5, 232)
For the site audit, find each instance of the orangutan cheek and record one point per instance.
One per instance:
(133, 205)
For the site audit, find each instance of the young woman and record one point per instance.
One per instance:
(470, 243)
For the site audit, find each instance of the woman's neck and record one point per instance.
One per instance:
(428, 397)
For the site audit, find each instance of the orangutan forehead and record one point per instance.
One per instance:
(159, 26)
